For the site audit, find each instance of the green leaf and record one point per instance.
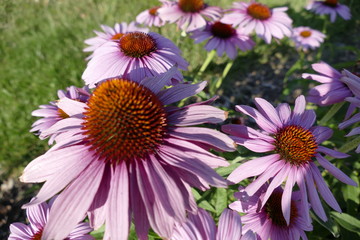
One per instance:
(201, 202)
(221, 200)
(347, 221)
(329, 225)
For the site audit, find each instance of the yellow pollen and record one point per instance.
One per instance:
(259, 11)
(153, 11)
(305, 34)
(137, 44)
(222, 30)
(295, 144)
(191, 5)
(274, 211)
(124, 121)
(117, 36)
(331, 3)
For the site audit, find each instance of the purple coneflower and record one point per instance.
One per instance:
(38, 218)
(224, 38)
(294, 145)
(306, 38)
(111, 34)
(266, 22)
(265, 218)
(331, 90)
(201, 226)
(335, 87)
(132, 157)
(51, 114)
(150, 17)
(331, 7)
(135, 56)
(189, 14)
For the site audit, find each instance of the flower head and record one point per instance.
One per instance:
(201, 226)
(268, 222)
(293, 144)
(330, 7)
(130, 156)
(150, 17)
(135, 56)
(306, 38)
(111, 34)
(38, 218)
(51, 114)
(224, 38)
(189, 14)
(266, 22)
(335, 87)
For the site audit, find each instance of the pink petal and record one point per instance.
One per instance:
(118, 214)
(71, 205)
(252, 168)
(335, 171)
(229, 225)
(286, 197)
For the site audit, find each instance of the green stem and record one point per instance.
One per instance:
(216, 85)
(208, 59)
(347, 147)
(333, 110)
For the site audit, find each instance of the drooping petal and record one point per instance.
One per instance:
(118, 213)
(71, 205)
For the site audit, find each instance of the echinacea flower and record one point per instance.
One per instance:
(111, 34)
(266, 22)
(293, 144)
(135, 56)
(201, 226)
(330, 7)
(51, 114)
(265, 218)
(38, 219)
(224, 38)
(306, 38)
(132, 157)
(150, 17)
(335, 87)
(189, 14)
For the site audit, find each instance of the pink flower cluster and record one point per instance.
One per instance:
(123, 152)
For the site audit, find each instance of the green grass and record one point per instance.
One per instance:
(41, 46)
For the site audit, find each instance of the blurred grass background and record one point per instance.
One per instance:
(41, 44)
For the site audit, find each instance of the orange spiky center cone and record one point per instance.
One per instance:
(295, 144)
(123, 121)
(259, 11)
(191, 5)
(137, 44)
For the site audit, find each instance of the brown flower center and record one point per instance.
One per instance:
(331, 3)
(191, 5)
(117, 36)
(259, 11)
(295, 144)
(222, 30)
(153, 11)
(124, 121)
(137, 44)
(62, 114)
(305, 34)
(37, 236)
(274, 211)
